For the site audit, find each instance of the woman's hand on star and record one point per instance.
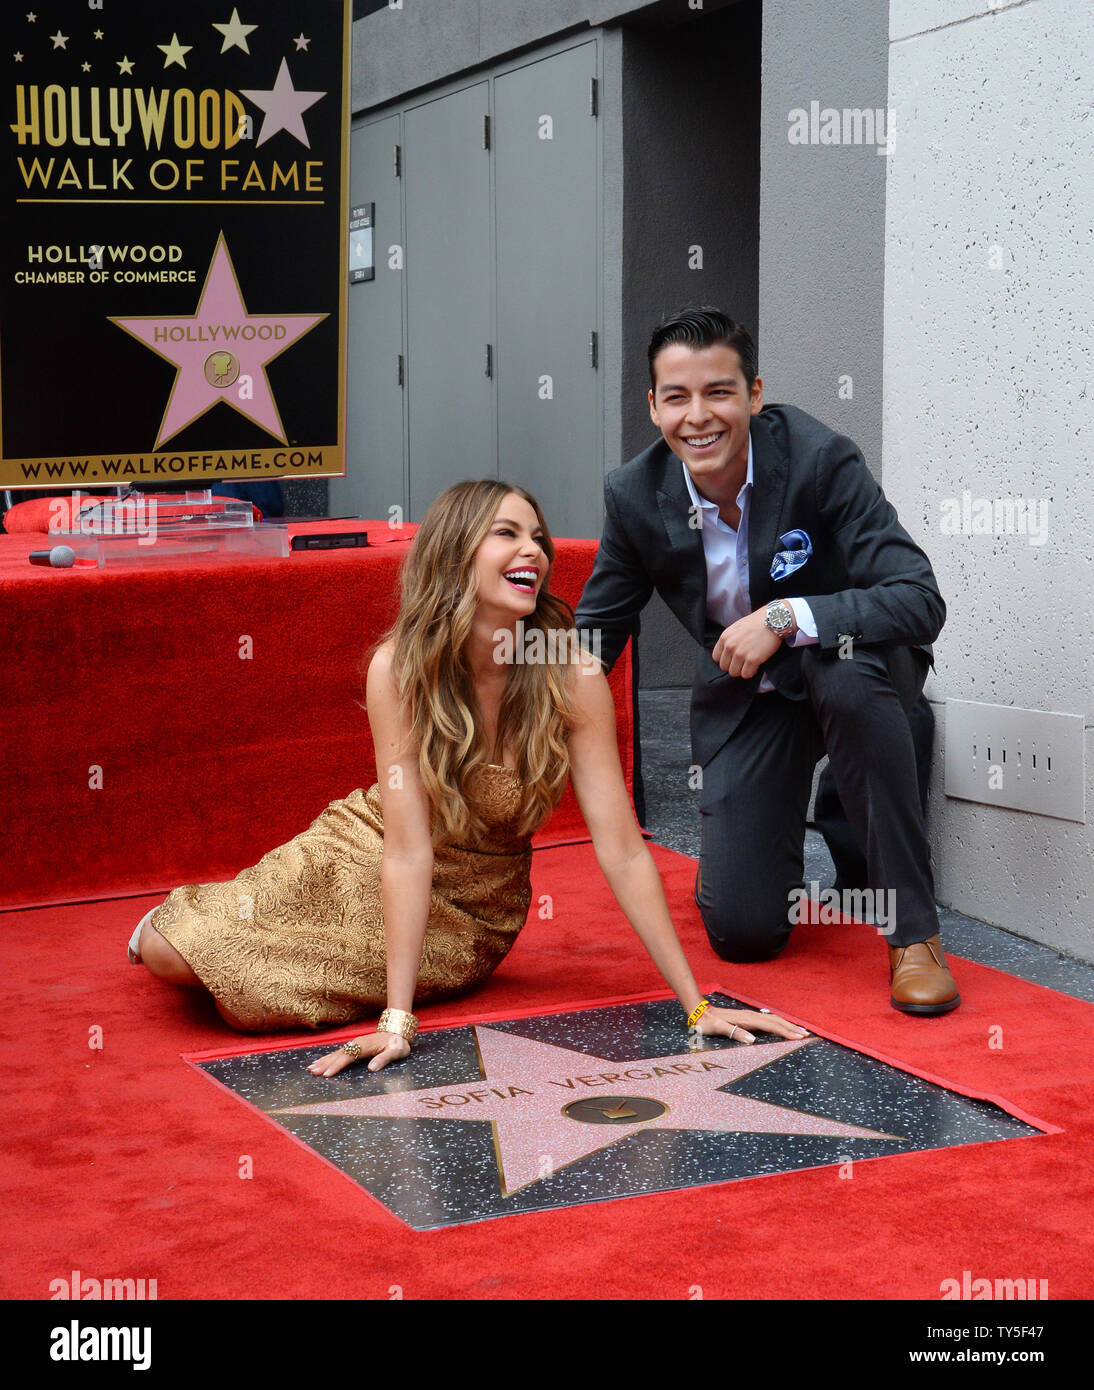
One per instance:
(722, 1022)
(381, 1048)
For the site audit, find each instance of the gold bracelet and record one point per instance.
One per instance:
(398, 1021)
(698, 1012)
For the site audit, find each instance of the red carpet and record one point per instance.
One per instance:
(148, 753)
(126, 1160)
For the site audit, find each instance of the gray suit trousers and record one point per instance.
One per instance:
(755, 797)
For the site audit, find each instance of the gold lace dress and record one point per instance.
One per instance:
(299, 938)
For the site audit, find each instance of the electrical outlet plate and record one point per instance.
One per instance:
(1025, 759)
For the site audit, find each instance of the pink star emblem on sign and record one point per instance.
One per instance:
(221, 351)
(283, 107)
(550, 1106)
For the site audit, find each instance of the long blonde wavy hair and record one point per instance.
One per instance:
(437, 604)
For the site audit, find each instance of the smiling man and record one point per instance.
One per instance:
(765, 534)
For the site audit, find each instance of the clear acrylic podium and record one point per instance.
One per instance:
(148, 529)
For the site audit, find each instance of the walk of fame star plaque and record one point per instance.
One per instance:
(562, 1109)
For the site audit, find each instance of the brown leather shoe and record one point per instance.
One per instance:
(919, 979)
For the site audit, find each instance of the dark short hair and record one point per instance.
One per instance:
(702, 328)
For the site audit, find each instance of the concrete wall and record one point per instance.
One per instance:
(396, 51)
(989, 307)
(822, 217)
(690, 117)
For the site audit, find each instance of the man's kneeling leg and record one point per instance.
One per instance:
(754, 797)
(737, 934)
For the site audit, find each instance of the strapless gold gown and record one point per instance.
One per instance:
(298, 940)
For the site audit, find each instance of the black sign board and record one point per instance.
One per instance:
(173, 307)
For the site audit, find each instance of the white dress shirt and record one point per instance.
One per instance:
(726, 554)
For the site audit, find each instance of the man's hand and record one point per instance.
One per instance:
(745, 645)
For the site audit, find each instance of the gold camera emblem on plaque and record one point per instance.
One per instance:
(614, 1110)
(221, 368)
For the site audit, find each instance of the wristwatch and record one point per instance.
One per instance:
(780, 619)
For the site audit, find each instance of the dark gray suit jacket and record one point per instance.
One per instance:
(866, 578)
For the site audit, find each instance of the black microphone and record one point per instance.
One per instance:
(61, 557)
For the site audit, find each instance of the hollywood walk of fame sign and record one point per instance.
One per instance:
(174, 224)
(563, 1109)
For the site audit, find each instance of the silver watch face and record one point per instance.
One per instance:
(779, 617)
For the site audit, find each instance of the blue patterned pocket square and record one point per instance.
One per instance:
(797, 549)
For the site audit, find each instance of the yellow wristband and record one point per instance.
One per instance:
(698, 1012)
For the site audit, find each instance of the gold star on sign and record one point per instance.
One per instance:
(98, 33)
(85, 67)
(59, 39)
(235, 33)
(125, 65)
(18, 57)
(174, 51)
(31, 17)
(301, 42)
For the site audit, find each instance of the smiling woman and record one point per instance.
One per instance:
(416, 889)
(465, 704)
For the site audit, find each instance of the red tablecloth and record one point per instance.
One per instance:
(143, 752)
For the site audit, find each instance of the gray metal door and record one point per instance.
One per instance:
(550, 424)
(375, 446)
(448, 278)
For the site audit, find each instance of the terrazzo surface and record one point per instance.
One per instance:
(595, 1104)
